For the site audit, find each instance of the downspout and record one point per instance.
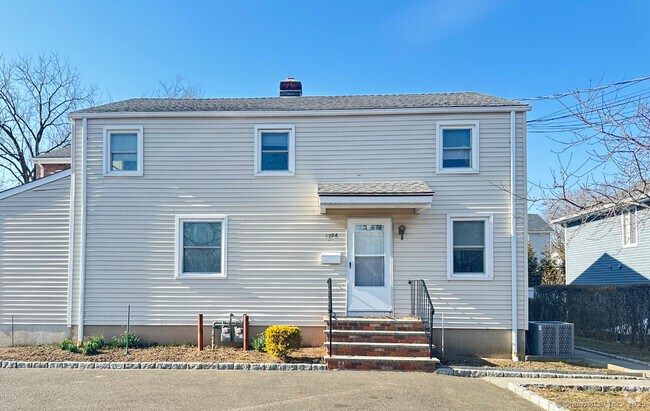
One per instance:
(513, 234)
(71, 225)
(82, 266)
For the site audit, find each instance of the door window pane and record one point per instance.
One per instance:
(369, 271)
(369, 239)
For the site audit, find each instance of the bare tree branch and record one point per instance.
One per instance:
(36, 94)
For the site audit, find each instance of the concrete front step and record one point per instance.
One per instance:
(379, 349)
(417, 337)
(348, 362)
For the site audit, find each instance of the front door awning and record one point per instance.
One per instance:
(416, 195)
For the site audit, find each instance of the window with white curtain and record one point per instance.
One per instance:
(201, 246)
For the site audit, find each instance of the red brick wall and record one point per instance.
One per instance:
(49, 169)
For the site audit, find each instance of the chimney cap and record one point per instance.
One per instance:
(290, 88)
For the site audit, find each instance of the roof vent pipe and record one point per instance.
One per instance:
(290, 88)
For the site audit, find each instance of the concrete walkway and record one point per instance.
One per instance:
(614, 364)
(247, 390)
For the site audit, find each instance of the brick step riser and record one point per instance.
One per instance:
(383, 366)
(381, 351)
(345, 326)
(411, 339)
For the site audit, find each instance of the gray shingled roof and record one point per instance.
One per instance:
(536, 224)
(389, 101)
(64, 152)
(380, 188)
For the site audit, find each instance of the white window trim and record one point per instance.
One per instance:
(489, 253)
(633, 212)
(458, 124)
(180, 218)
(108, 130)
(291, 129)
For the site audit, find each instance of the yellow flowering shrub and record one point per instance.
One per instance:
(282, 339)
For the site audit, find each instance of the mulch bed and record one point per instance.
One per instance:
(570, 364)
(581, 400)
(159, 354)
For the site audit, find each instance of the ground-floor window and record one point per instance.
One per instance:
(201, 246)
(469, 246)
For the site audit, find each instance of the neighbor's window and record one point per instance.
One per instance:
(201, 246)
(457, 147)
(629, 228)
(274, 150)
(123, 151)
(470, 248)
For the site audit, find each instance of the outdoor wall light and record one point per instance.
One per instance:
(400, 230)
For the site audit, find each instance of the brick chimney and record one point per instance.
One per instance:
(290, 88)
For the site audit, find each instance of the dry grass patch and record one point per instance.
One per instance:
(622, 348)
(569, 364)
(581, 400)
(158, 354)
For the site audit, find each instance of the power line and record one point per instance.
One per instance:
(560, 95)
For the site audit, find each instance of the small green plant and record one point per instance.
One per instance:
(282, 339)
(93, 345)
(120, 342)
(67, 345)
(259, 343)
(188, 345)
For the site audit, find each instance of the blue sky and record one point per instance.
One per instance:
(244, 48)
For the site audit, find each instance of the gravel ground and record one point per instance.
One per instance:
(158, 354)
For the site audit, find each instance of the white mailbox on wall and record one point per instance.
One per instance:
(330, 258)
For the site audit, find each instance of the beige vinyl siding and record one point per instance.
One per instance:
(276, 234)
(34, 250)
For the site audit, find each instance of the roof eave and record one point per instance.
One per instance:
(299, 113)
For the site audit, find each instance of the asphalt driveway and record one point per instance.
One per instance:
(211, 389)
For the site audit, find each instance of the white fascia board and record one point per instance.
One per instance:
(36, 183)
(300, 113)
(418, 203)
(52, 160)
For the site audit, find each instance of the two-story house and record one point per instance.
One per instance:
(249, 205)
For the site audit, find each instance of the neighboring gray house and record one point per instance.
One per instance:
(607, 249)
(539, 234)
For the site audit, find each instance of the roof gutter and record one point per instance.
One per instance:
(513, 234)
(298, 113)
(82, 267)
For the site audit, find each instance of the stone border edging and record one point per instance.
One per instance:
(163, 365)
(476, 372)
(587, 387)
(618, 357)
(535, 398)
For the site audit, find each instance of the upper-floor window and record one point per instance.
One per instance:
(469, 247)
(629, 230)
(274, 149)
(201, 246)
(123, 151)
(457, 146)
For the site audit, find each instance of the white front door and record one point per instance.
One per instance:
(370, 265)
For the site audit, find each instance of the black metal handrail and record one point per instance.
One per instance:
(422, 308)
(330, 311)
